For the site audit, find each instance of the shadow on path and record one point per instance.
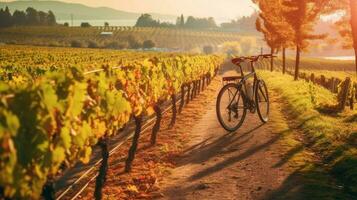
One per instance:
(249, 152)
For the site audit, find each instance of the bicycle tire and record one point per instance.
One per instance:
(261, 87)
(219, 110)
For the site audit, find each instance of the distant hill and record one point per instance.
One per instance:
(64, 10)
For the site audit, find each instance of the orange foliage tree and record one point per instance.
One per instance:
(302, 16)
(289, 22)
(276, 30)
(348, 23)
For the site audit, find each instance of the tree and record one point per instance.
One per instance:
(106, 24)
(32, 16)
(51, 19)
(302, 15)
(66, 24)
(353, 21)
(42, 18)
(85, 25)
(243, 24)
(146, 20)
(276, 30)
(6, 18)
(19, 18)
(182, 20)
(347, 25)
(202, 23)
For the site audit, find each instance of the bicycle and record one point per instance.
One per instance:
(234, 99)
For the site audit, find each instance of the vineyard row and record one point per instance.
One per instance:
(54, 121)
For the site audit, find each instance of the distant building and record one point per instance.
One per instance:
(106, 33)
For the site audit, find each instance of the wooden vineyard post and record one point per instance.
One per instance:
(182, 103)
(199, 86)
(134, 145)
(188, 93)
(331, 85)
(352, 102)
(312, 78)
(323, 81)
(174, 110)
(337, 82)
(355, 91)
(48, 191)
(9, 76)
(343, 94)
(193, 92)
(156, 127)
(302, 75)
(101, 178)
(208, 79)
(352, 97)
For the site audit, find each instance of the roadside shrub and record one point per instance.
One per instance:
(116, 45)
(92, 44)
(134, 42)
(232, 48)
(148, 44)
(248, 45)
(85, 25)
(208, 49)
(76, 43)
(135, 45)
(54, 44)
(12, 42)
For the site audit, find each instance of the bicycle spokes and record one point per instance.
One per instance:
(230, 107)
(262, 101)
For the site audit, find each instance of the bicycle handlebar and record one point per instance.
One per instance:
(251, 58)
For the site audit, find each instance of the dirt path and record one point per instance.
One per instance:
(220, 165)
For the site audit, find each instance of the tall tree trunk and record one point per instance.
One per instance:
(297, 63)
(272, 60)
(353, 5)
(284, 60)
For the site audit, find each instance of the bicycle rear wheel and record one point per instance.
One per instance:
(230, 107)
(262, 101)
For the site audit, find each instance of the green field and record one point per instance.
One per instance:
(329, 137)
(172, 38)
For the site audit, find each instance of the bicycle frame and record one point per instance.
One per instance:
(250, 100)
(244, 98)
(242, 82)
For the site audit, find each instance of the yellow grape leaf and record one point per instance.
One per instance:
(132, 188)
(137, 110)
(101, 128)
(150, 110)
(86, 153)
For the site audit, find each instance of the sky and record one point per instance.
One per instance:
(219, 9)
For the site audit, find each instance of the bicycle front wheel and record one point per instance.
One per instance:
(262, 101)
(230, 107)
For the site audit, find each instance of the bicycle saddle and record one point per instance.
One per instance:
(237, 60)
